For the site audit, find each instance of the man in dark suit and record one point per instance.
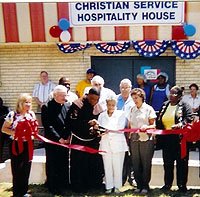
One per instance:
(54, 122)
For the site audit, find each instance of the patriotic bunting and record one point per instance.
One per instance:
(71, 48)
(150, 48)
(189, 49)
(113, 47)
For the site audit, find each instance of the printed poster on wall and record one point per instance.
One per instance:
(102, 13)
(151, 74)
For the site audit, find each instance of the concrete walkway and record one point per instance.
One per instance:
(38, 169)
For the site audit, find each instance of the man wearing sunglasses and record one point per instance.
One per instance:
(71, 97)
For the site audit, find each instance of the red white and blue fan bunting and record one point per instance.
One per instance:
(150, 48)
(113, 47)
(71, 48)
(189, 49)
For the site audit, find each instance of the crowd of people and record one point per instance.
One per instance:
(94, 117)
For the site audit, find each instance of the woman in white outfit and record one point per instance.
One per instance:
(114, 143)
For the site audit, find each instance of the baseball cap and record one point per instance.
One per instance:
(90, 70)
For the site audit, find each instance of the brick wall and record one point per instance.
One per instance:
(20, 65)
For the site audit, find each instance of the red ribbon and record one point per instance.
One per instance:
(190, 133)
(72, 146)
(27, 128)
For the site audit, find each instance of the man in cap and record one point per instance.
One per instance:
(85, 83)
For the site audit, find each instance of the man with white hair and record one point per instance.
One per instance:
(124, 100)
(125, 103)
(54, 119)
(98, 81)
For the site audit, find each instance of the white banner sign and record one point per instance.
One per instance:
(151, 74)
(126, 13)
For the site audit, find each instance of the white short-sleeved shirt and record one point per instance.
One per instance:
(42, 91)
(139, 117)
(113, 142)
(193, 102)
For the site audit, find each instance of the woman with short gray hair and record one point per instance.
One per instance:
(114, 143)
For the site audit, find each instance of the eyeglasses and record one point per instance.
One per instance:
(173, 94)
(66, 84)
(126, 88)
(97, 84)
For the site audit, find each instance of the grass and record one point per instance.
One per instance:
(127, 191)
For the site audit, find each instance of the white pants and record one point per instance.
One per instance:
(113, 166)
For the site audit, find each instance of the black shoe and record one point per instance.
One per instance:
(56, 192)
(166, 188)
(182, 188)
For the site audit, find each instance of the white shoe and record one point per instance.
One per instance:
(27, 195)
(117, 191)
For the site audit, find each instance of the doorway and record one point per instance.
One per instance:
(114, 69)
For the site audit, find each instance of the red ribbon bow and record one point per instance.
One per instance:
(24, 131)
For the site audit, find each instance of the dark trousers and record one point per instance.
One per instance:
(142, 154)
(57, 168)
(3, 141)
(170, 155)
(127, 169)
(20, 166)
(86, 171)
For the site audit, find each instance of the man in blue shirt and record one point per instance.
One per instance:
(125, 103)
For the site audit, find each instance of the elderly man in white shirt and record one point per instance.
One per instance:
(42, 90)
(114, 143)
(125, 103)
(98, 81)
(193, 99)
